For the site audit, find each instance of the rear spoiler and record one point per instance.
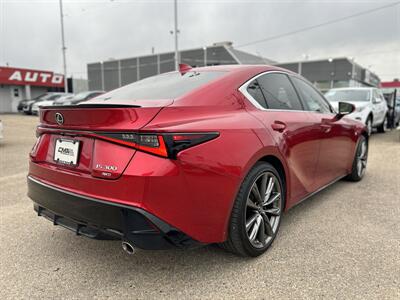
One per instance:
(94, 105)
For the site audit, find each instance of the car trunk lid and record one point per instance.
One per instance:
(70, 137)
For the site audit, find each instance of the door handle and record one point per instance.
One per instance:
(326, 127)
(278, 126)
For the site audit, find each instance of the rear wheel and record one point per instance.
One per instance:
(360, 160)
(256, 214)
(383, 127)
(369, 125)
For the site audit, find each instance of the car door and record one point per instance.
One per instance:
(383, 104)
(378, 108)
(336, 136)
(282, 113)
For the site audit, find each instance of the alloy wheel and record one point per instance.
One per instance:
(362, 155)
(263, 209)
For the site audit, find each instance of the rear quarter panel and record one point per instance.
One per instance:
(200, 201)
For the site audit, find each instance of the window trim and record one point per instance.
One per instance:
(246, 94)
(315, 89)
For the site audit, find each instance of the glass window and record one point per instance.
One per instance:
(165, 86)
(311, 98)
(254, 90)
(54, 97)
(376, 97)
(279, 92)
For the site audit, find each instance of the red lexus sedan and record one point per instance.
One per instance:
(199, 156)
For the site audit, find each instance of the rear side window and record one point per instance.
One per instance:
(312, 99)
(165, 86)
(279, 92)
(255, 91)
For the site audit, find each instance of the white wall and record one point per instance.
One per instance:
(5, 99)
(6, 96)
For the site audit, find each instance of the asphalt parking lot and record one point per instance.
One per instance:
(342, 243)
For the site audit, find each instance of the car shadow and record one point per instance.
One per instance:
(170, 264)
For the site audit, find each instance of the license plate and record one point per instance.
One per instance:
(66, 151)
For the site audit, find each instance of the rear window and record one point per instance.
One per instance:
(165, 86)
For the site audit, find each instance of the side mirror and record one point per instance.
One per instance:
(345, 109)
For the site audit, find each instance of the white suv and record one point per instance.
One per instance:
(371, 107)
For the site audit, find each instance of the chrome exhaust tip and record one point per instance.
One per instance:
(128, 248)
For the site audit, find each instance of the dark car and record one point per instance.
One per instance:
(201, 156)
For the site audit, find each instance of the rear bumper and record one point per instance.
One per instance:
(89, 216)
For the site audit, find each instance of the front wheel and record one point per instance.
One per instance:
(360, 160)
(256, 214)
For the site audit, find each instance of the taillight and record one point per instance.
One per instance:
(165, 144)
(34, 149)
(177, 142)
(152, 143)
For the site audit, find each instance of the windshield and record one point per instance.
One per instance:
(54, 97)
(81, 96)
(165, 86)
(40, 97)
(348, 95)
(63, 98)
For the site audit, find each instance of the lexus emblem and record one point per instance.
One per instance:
(59, 118)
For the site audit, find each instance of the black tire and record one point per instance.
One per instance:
(383, 127)
(359, 157)
(238, 241)
(368, 123)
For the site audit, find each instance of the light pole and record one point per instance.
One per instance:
(205, 56)
(63, 48)
(176, 31)
(353, 71)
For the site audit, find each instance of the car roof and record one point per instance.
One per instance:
(241, 68)
(354, 88)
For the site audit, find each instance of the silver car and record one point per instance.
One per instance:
(371, 106)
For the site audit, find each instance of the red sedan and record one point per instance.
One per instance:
(200, 156)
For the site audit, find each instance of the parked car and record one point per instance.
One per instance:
(78, 98)
(36, 106)
(392, 97)
(62, 99)
(371, 107)
(22, 103)
(1, 130)
(27, 107)
(397, 111)
(199, 156)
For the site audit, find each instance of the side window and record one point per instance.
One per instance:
(311, 98)
(381, 96)
(254, 90)
(279, 92)
(376, 97)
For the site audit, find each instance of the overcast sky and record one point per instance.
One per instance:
(99, 30)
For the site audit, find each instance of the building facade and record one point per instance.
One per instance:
(333, 73)
(17, 84)
(325, 74)
(112, 74)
